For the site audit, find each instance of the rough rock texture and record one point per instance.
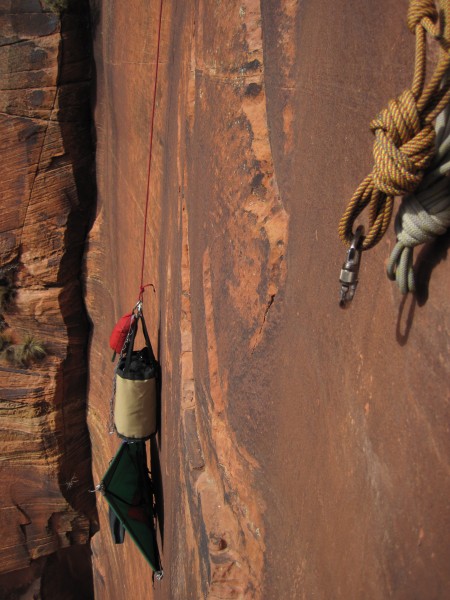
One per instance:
(303, 450)
(46, 197)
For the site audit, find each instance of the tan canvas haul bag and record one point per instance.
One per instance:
(135, 410)
(135, 406)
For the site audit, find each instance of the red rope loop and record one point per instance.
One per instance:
(142, 290)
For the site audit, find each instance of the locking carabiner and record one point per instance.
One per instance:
(350, 269)
(137, 310)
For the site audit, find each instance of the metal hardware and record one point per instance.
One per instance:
(350, 269)
(98, 488)
(137, 310)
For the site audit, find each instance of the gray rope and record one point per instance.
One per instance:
(424, 215)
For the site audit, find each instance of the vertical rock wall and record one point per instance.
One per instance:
(303, 451)
(47, 196)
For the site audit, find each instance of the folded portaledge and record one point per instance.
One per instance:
(127, 488)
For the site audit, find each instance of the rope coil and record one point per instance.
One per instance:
(425, 214)
(422, 12)
(404, 136)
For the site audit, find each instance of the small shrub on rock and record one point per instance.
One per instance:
(22, 355)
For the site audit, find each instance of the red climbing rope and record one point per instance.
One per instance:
(149, 170)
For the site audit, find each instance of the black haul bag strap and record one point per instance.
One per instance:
(151, 354)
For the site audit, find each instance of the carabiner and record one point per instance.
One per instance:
(137, 310)
(350, 269)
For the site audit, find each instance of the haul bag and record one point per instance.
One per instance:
(136, 390)
(135, 408)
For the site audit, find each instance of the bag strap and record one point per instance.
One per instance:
(147, 340)
(133, 337)
(134, 329)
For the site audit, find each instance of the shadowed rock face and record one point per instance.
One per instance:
(303, 450)
(47, 199)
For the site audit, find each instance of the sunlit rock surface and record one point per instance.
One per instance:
(303, 450)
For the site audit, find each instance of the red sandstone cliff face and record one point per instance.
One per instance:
(47, 197)
(303, 450)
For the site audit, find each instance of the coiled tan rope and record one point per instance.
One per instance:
(425, 214)
(404, 134)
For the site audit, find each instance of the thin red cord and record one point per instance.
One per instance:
(152, 121)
